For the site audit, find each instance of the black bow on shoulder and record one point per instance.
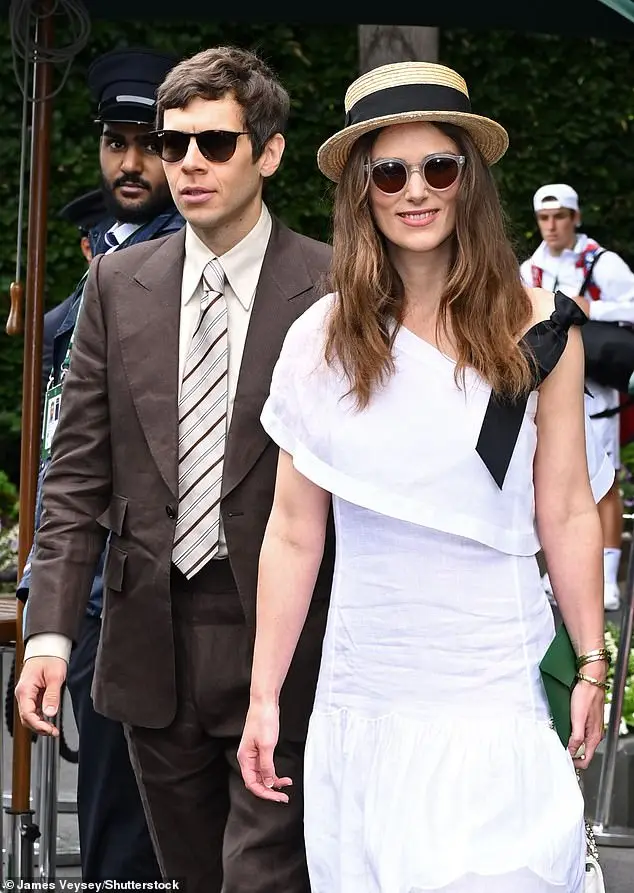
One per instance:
(503, 418)
(547, 339)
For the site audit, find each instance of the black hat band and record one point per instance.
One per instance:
(408, 98)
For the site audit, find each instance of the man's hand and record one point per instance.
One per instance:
(38, 693)
(583, 303)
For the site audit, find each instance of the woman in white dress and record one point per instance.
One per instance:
(437, 406)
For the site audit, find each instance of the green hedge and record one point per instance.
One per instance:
(567, 103)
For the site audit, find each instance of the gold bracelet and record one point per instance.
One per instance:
(593, 656)
(583, 678)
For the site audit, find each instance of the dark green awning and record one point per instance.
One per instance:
(574, 18)
(623, 7)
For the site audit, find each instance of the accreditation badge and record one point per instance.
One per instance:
(52, 403)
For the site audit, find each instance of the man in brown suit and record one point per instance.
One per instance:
(159, 448)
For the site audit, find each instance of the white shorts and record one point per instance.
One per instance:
(605, 431)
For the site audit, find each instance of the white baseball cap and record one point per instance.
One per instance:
(555, 195)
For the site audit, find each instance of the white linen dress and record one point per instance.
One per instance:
(431, 764)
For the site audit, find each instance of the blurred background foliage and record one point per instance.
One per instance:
(568, 104)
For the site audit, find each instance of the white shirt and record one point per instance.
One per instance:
(611, 274)
(121, 232)
(242, 265)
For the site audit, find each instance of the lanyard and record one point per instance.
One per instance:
(66, 361)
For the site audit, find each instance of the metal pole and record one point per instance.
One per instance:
(47, 807)
(23, 836)
(23, 833)
(3, 652)
(36, 780)
(604, 833)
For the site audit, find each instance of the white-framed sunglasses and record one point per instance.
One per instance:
(439, 172)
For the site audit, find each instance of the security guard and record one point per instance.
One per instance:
(84, 213)
(114, 838)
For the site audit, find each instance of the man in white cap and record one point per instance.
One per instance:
(603, 286)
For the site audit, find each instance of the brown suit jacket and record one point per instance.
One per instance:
(114, 471)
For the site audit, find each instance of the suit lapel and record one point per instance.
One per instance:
(277, 303)
(148, 317)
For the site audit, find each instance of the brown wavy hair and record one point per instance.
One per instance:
(483, 304)
(229, 71)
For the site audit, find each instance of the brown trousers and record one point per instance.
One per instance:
(206, 827)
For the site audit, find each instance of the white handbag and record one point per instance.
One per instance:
(594, 875)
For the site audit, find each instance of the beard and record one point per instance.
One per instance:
(156, 200)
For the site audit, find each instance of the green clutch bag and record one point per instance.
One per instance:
(558, 670)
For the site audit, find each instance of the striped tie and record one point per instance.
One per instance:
(202, 427)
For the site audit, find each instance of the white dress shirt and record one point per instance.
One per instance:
(242, 265)
(120, 232)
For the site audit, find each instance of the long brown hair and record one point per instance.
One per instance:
(483, 294)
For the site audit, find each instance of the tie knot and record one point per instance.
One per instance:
(213, 280)
(110, 239)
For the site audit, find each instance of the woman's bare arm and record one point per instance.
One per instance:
(289, 563)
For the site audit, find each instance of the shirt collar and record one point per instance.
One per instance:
(241, 264)
(123, 231)
(581, 243)
(542, 255)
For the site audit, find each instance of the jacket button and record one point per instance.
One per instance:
(170, 511)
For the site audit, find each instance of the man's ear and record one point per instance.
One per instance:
(84, 245)
(271, 156)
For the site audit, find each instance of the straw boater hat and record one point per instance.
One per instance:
(405, 92)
